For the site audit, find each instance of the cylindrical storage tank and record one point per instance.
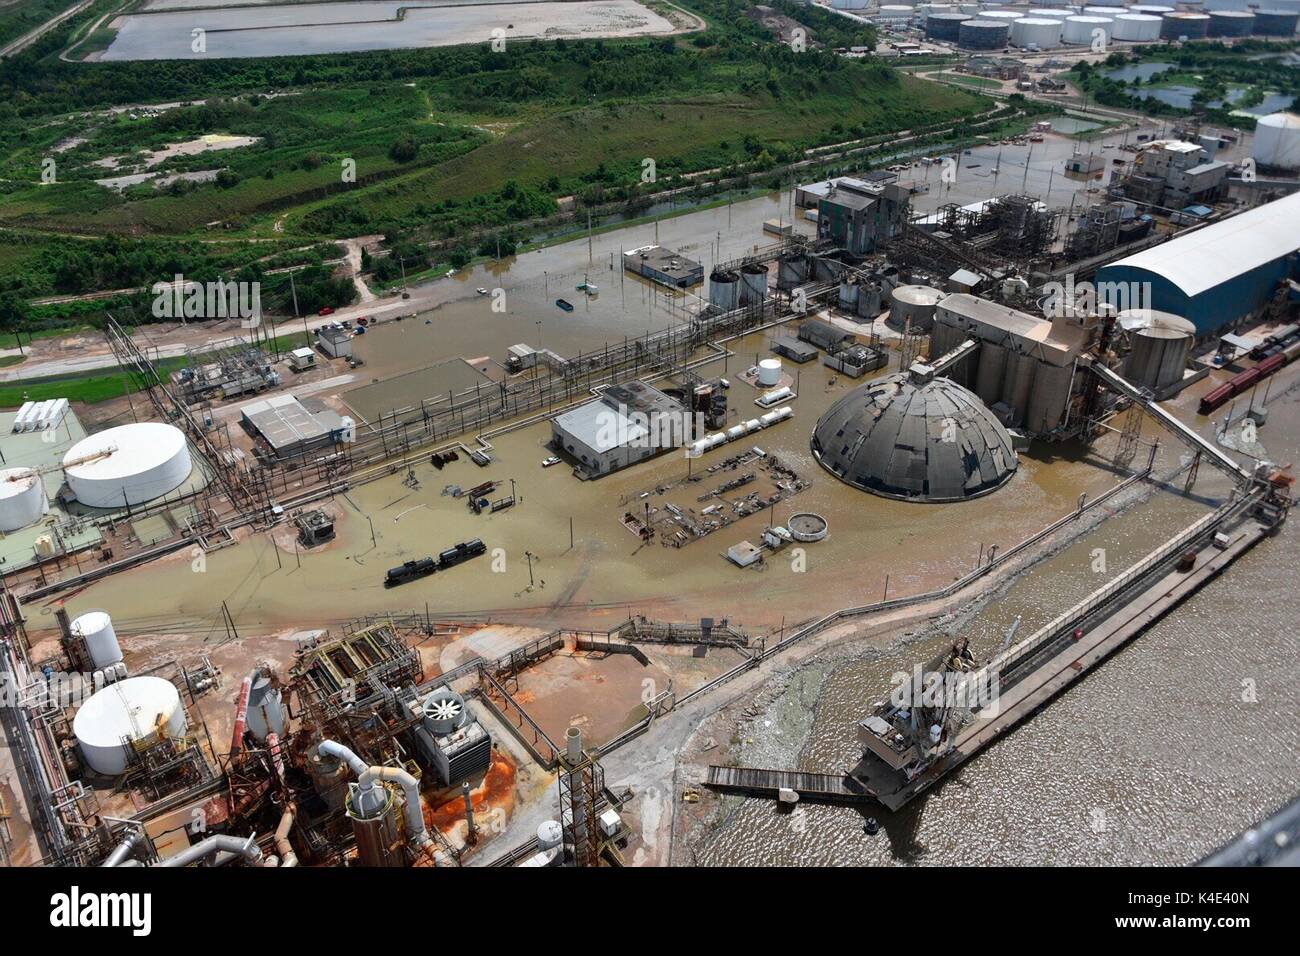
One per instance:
(753, 284)
(22, 499)
(1001, 15)
(848, 296)
(1150, 10)
(1194, 26)
(127, 465)
(126, 713)
(1231, 23)
(983, 34)
(1086, 30)
(265, 709)
(550, 833)
(769, 372)
(915, 304)
(1159, 343)
(1050, 396)
(991, 372)
(1111, 4)
(1041, 32)
(1210, 5)
(791, 272)
(1138, 27)
(945, 26)
(724, 290)
(1051, 13)
(95, 628)
(893, 13)
(1277, 142)
(1271, 22)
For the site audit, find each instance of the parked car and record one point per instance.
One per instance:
(328, 310)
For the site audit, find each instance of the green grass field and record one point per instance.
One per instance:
(24, 16)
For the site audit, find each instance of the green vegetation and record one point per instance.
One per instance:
(456, 151)
(1251, 68)
(24, 16)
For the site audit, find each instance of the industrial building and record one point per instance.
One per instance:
(858, 219)
(1214, 276)
(1172, 174)
(664, 266)
(334, 342)
(1023, 368)
(627, 424)
(809, 195)
(289, 428)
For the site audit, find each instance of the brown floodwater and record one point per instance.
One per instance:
(1154, 758)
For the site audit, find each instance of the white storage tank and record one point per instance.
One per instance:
(95, 628)
(125, 713)
(1138, 27)
(1150, 9)
(1108, 3)
(1160, 343)
(1041, 32)
(1052, 13)
(127, 465)
(1084, 30)
(22, 499)
(769, 372)
(915, 304)
(1001, 15)
(1277, 142)
(265, 709)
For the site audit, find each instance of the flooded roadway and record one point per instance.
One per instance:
(1154, 758)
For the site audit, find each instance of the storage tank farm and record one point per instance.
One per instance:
(1274, 22)
(1277, 142)
(1194, 26)
(983, 34)
(1231, 23)
(946, 26)
(1136, 27)
(127, 465)
(23, 501)
(1085, 30)
(1043, 33)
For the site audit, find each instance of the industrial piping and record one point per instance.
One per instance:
(213, 845)
(367, 777)
(123, 849)
(282, 846)
(241, 714)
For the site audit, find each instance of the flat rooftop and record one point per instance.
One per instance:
(663, 260)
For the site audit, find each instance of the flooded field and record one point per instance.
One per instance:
(1180, 741)
(299, 29)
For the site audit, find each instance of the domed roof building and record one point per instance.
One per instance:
(915, 437)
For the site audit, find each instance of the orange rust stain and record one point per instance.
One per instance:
(496, 791)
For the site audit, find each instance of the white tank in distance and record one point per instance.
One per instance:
(1083, 31)
(1137, 27)
(22, 499)
(1277, 142)
(1040, 32)
(122, 715)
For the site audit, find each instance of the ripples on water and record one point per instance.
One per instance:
(1151, 759)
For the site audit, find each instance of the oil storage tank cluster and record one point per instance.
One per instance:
(983, 34)
(1085, 30)
(724, 290)
(124, 715)
(127, 465)
(915, 437)
(791, 271)
(22, 499)
(1159, 344)
(946, 26)
(1136, 27)
(1194, 26)
(1277, 142)
(1272, 22)
(1231, 23)
(1042, 33)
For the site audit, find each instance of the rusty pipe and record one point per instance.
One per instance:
(282, 845)
(277, 761)
(241, 715)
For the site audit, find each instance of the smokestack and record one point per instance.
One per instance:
(574, 739)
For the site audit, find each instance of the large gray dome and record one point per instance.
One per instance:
(914, 437)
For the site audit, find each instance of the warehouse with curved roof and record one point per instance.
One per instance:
(1213, 276)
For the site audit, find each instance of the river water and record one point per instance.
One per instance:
(1155, 758)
